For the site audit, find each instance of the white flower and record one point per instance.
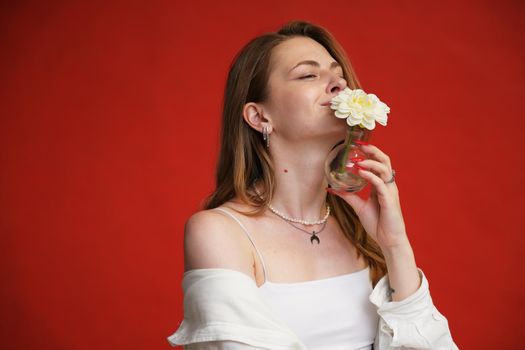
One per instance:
(360, 108)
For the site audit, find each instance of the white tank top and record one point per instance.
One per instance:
(332, 313)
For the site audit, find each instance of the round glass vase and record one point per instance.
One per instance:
(341, 171)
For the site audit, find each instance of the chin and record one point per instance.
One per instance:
(339, 134)
(340, 129)
(335, 138)
(332, 131)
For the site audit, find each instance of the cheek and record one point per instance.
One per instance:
(294, 111)
(296, 103)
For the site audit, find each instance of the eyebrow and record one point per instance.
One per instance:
(333, 65)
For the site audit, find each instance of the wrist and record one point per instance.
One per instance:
(401, 250)
(403, 274)
(400, 257)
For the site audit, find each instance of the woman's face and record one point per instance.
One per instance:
(303, 79)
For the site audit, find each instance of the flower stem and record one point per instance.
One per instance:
(349, 140)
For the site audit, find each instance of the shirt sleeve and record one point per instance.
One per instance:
(413, 322)
(224, 310)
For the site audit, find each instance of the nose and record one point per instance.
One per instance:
(336, 84)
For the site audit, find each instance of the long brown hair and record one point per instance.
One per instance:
(243, 157)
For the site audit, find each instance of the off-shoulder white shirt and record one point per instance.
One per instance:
(223, 309)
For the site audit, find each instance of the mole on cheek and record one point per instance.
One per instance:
(285, 170)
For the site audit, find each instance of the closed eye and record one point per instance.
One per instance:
(313, 76)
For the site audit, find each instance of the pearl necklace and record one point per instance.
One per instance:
(301, 221)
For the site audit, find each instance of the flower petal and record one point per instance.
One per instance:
(355, 118)
(369, 123)
(341, 115)
(351, 123)
(359, 108)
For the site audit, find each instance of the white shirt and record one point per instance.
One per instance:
(331, 313)
(225, 310)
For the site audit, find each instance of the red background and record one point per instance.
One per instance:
(109, 132)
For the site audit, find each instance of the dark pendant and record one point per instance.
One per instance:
(314, 238)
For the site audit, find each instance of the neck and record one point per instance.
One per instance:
(300, 181)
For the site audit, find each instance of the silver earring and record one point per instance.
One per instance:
(266, 137)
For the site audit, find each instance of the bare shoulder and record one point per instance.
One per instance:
(214, 240)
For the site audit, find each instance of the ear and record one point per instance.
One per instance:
(253, 114)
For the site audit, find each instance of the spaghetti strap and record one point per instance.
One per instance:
(249, 237)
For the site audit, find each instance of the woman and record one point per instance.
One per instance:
(279, 261)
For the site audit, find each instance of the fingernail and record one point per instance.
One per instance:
(359, 142)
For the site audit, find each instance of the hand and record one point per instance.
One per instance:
(380, 214)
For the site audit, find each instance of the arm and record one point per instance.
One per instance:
(218, 283)
(408, 316)
(212, 240)
(412, 323)
(403, 275)
(382, 218)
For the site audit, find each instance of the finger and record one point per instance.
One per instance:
(382, 170)
(383, 194)
(377, 154)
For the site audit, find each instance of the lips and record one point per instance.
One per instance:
(326, 103)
